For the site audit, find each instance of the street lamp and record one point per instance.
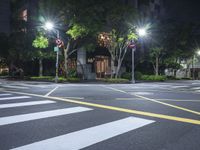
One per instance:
(50, 26)
(141, 33)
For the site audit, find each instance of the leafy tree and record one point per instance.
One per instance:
(156, 53)
(117, 45)
(40, 43)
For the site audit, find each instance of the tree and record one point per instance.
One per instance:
(40, 43)
(117, 32)
(156, 53)
(117, 45)
(74, 33)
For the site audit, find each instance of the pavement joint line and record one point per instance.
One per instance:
(51, 91)
(119, 109)
(156, 101)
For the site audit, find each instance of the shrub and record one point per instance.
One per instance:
(138, 75)
(43, 78)
(118, 80)
(72, 73)
(126, 75)
(52, 78)
(153, 78)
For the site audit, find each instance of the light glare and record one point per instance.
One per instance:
(49, 25)
(198, 52)
(142, 32)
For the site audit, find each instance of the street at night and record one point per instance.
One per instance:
(99, 75)
(92, 116)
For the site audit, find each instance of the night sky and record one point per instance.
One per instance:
(184, 10)
(180, 10)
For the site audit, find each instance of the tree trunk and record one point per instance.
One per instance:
(40, 67)
(118, 69)
(66, 50)
(112, 67)
(157, 66)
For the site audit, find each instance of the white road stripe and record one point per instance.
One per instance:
(31, 103)
(89, 136)
(40, 115)
(51, 91)
(14, 87)
(14, 97)
(5, 94)
(179, 86)
(74, 97)
(196, 88)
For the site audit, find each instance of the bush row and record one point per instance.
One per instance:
(140, 76)
(51, 78)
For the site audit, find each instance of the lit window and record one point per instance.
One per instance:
(23, 15)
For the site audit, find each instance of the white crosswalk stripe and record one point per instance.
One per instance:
(40, 115)
(5, 94)
(14, 97)
(30, 103)
(89, 136)
(15, 87)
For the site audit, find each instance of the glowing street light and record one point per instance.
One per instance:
(50, 26)
(142, 32)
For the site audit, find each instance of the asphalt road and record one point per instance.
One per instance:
(141, 116)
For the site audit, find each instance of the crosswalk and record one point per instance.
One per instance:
(85, 137)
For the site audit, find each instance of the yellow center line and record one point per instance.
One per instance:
(131, 111)
(156, 101)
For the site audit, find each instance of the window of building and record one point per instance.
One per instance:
(23, 15)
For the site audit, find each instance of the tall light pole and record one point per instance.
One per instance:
(141, 33)
(50, 26)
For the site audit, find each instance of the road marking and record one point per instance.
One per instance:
(170, 105)
(170, 100)
(40, 115)
(179, 86)
(74, 97)
(89, 136)
(31, 103)
(131, 111)
(52, 91)
(196, 88)
(142, 93)
(156, 101)
(15, 87)
(14, 97)
(5, 94)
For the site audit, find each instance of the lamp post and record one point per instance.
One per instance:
(141, 33)
(50, 26)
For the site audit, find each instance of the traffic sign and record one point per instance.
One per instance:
(56, 49)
